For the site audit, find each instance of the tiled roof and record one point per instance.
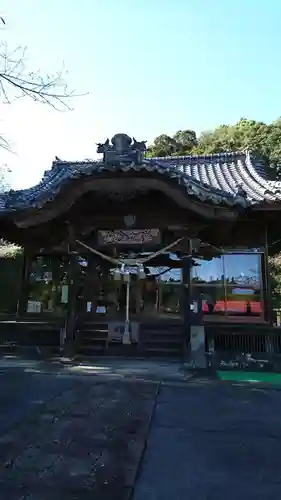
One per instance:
(230, 173)
(226, 179)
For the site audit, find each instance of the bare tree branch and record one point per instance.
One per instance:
(16, 82)
(4, 144)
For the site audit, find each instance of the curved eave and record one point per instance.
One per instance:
(63, 174)
(267, 206)
(224, 179)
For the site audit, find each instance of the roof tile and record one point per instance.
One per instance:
(227, 178)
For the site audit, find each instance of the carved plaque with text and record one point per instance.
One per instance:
(129, 237)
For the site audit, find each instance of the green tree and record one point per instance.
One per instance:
(163, 145)
(11, 261)
(181, 143)
(275, 280)
(186, 141)
(255, 136)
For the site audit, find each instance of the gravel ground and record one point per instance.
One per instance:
(72, 438)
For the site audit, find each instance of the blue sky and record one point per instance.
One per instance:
(149, 67)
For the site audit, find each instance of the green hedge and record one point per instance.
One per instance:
(11, 262)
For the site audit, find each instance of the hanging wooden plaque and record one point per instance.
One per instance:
(129, 237)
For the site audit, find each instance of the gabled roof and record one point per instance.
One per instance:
(231, 179)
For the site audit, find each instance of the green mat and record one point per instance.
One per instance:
(252, 377)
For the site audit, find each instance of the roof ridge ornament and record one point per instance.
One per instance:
(122, 150)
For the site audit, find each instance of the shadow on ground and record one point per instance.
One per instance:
(71, 438)
(116, 368)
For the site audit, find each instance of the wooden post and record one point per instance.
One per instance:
(24, 286)
(186, 301)
(266, 285)
(70, 322)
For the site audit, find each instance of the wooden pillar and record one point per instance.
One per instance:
(265, 281)
(70, 321)
(186, 301)
(24, 286)
(56, 272)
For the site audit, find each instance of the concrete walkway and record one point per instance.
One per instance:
(110, 368)
(213, 442)
(156, 370)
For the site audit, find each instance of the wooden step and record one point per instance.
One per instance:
(162, 341)
(172, 350)
(88, 340)
(160, 338)
(92, 347)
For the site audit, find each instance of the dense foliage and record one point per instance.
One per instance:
(275, 280)
(11, 261)
(257, 137)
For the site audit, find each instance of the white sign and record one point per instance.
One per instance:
(64, 294)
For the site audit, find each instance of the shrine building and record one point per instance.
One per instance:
(128, 253)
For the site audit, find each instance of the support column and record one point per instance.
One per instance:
(24, 286)
(70, 321)
(194, 331)
(186, 302)
(266, 285)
